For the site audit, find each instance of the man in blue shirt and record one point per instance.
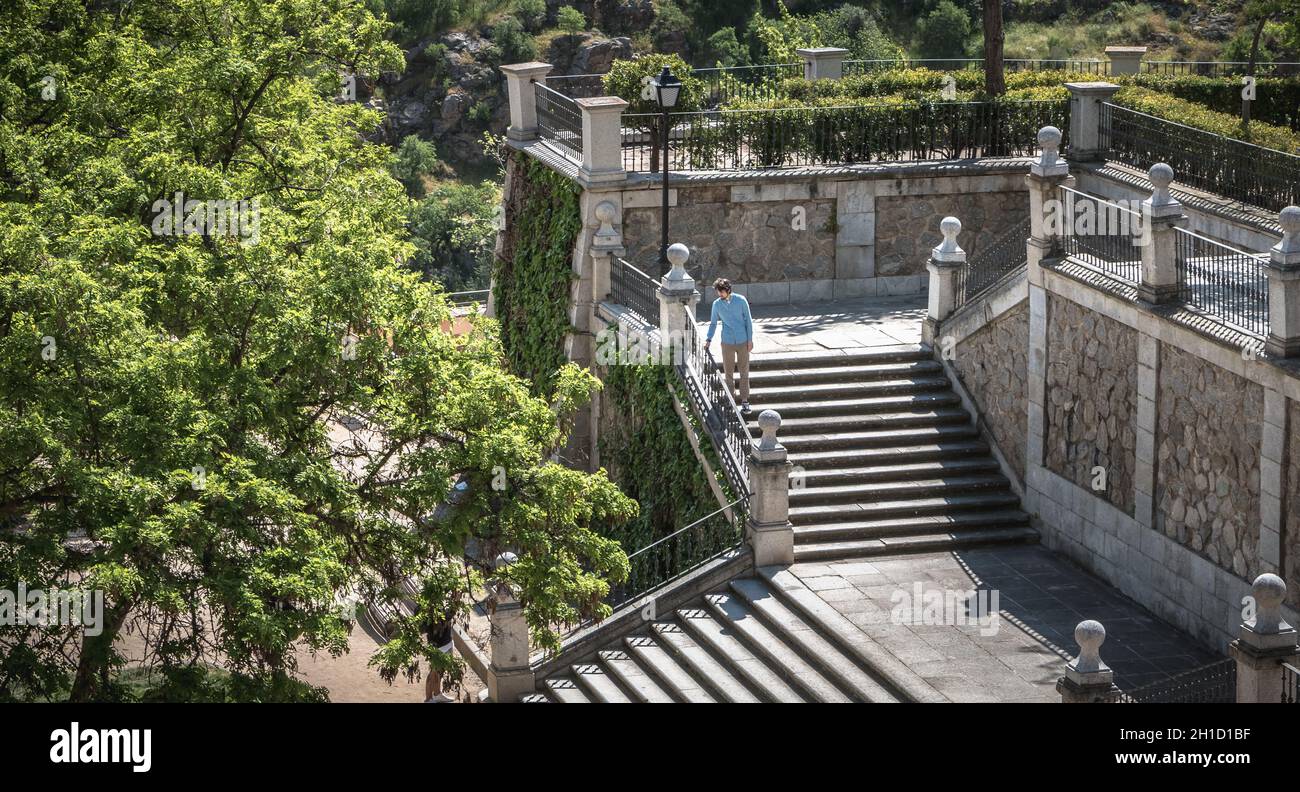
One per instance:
(737, 336)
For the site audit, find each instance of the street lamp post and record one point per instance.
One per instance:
(667, 88)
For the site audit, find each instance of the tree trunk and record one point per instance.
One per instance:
(92, 664)
(994, 81)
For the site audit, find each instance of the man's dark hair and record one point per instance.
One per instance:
(722, 284)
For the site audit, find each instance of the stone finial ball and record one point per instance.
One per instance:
(950, 226)
(1049, 137)
(605, 212)
(769, 421)
(1268, 590)
(1090, 635)
(1161, 175)
(1289, 218)
(678, 254)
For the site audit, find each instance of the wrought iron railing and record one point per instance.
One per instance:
(1215, 683)
(578, 86)
(711, 398)
(634, 290)
(1101, 235)
(463, 298)
(1234, 169)
(800, 136)
(977, 64)
(682, 551)
(559, 120)
(1220, 68)
(747, 83)
(1290, 684)
(1225, 283)
(989, 265)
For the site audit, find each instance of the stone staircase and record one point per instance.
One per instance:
(889, 460)
(765, 638)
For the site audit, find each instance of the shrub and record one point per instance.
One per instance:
(571, 20)
(531, 14)
(513, 41)
(943, 32)
(1198, 116)
(413, 162)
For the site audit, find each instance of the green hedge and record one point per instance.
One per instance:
(1277, 99)
(1192, 114)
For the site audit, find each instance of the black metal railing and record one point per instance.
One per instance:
(1079, 65)
(1232, 168)
(578, 86)
(1215, 683)
(1290, 684)
(745, 83)
(559, 120)
(464, 298)
(682, 551)
(634, 290)
(1225, 283)
(712, 401)
(786, 137)
(1101, 235)
(1004, 255)
(1220, 68)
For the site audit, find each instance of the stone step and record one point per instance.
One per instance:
(598, 685)
(908, 526)
(866, 373)
(832, 476)
(703, 666)
(848, 389)
(903, 545)
(621, 666)
(835, 458)
(566, 691)
(719, 636)
(903, 403)
(839, 358)
(877, 438)
(775, 647)
(897, 490)
(836, 424)
(826, 657)
(848, 512)
(534, 698)
(676, 680)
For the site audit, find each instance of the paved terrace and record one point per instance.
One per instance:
(1042, 596)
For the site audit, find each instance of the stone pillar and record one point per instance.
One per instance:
(677, 297)
(823, 63)
(1284, 288)
(945, 264)
(770, 534)
(1125, 60)
(1085, 119)
(1161, 215)
(605, 243)
(509, 675)
(1087, 679)
(602, 139)
(523, 102)
(1047, 173)
(1265, 643)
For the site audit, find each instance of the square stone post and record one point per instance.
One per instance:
(677, 301)
(509, 673)
(1283, 269)
(1265, 643)
(1087, 679)
(770, 534)
(602, 139)
(1085, 119)
(1125, 60)
(1161, 215)
(823, 63)
(1047, 173)
(945, 264)
(606, 242)
(523, 102)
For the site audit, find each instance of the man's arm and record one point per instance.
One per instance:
(713, 322)
(749, 323)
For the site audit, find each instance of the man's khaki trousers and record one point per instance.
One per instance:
(731, 355)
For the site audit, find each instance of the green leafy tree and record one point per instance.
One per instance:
(515, 44)
(453, 230)
(532, 13)
(571, 20)
(227, 432)
(414, 161)
(630, 80)
(726, 50)
(943, 32)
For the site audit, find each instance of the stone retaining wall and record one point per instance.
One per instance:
(1290, 565)
(1091, 399)
(992, 365)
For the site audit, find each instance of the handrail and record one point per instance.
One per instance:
(711, 396)
(989, 265)
(674, 534)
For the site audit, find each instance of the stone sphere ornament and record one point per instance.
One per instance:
(768, 422)
(1090, 635)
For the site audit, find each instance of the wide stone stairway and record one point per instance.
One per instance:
(885, 458)
(765, 638)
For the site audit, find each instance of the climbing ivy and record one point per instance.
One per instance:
(532, 274)
(649, 456)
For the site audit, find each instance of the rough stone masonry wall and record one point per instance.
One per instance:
(1091, 399)
(1291, 510)
(992, 365)
(1207, 461)
(908, 226)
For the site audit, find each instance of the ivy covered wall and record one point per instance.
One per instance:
(534, 268)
